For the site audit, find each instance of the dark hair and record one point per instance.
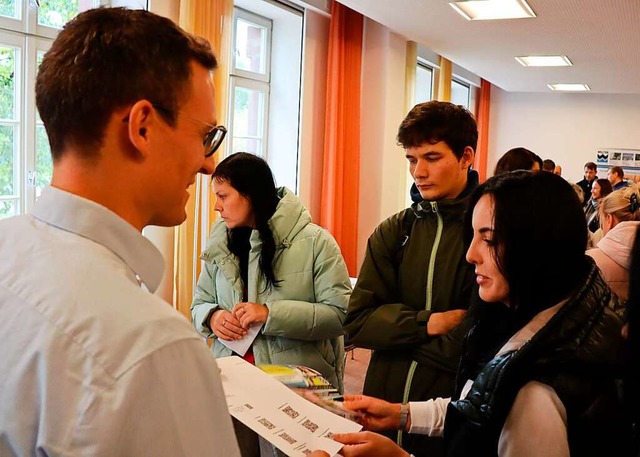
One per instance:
(515, 159)
(435, 121)
(105, 59)
(539, 238)
(605, 187)
(617, 170)
(252, 178)
(590, 166)
(548, 165)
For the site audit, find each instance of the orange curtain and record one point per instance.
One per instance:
(341, 171)
(212, 21)
(484, 111)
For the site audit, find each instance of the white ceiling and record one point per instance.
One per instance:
(600, 37)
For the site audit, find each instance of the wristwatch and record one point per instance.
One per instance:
(404, 415)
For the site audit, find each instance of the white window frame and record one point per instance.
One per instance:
(465, 84)
(239, 13)
(422, 64)
(17, 42)
(250, 80)
(264, 132)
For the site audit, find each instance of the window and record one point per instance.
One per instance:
(250, 77)
(460, 93)
(26, 32)
(265, 85)
(424, 83)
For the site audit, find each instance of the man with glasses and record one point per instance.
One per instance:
(91, 362)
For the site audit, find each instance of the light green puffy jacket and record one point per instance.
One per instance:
(308, 308)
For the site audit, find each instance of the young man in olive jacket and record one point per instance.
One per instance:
(415, 284)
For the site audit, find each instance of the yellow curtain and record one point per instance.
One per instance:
(214, 22)
(444, 80)
(410, 76)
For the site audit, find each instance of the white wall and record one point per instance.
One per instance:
(568, 128)
(383, 167)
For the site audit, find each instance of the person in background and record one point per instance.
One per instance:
(538, 373)
(578, 191)
(518, 159)
(267, 264)
(557, 170)
(590, 176)
(615, 175)
(600, 189)
(548, 165)
(620, 219)
(414, 284)
(92, 363)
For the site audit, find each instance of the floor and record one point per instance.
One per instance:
(355, 369)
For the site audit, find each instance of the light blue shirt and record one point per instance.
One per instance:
(90, 362)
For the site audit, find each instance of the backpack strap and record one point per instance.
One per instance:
(408, 219)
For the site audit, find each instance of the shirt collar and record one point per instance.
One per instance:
(91, 220)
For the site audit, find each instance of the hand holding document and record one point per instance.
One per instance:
(241, 346)
(288, 421)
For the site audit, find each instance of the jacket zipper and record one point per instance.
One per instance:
(430, 273)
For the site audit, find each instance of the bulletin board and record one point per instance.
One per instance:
(628, 159)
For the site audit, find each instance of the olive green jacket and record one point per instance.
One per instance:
(393, 299)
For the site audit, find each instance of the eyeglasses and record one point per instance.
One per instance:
(212, 140)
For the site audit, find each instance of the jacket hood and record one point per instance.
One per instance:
(618, 242)
(288, 220)
(455, 207)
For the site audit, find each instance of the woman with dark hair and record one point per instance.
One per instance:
(518, 159)
(600, 189)
(537, 377)
(267, 267)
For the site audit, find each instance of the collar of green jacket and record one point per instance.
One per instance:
(449, 206)
(288, 220)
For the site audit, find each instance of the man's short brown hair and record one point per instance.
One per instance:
(436, 121)
(106, 59)
(617, 170)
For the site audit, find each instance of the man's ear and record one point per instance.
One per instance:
(468, 155)
(142, 120)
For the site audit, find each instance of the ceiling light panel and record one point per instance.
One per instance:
(569, 87)
(544, 61)
(479, 10)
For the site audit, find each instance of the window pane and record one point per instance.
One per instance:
(8, 8)
(6, 160)
(7, 83)
(423, 84)
(44, 164)
(459, 94)
(248, 112)
(252, 145)
(8, 208)
(56, 13)
(251, 46)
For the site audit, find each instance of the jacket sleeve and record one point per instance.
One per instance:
(204, 300)
(323, 319)
(375, 319)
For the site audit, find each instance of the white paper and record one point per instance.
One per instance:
(285, 419)
(241, 346)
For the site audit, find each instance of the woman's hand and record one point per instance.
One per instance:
(377, 414)
(250, 313)
(226, 326)
(368, 444)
